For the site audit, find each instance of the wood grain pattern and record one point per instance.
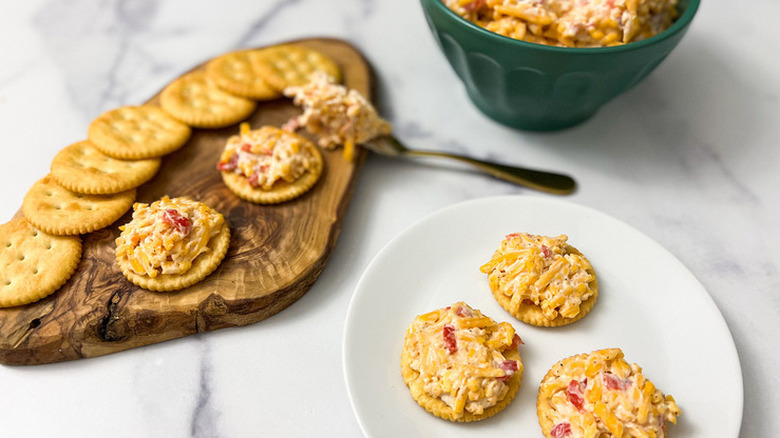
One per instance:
(276, 253)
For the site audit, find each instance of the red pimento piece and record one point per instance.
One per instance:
(560, 430)
(614, 382)
(545, 251)
(230, 165)
(473, 6)
(448, 332)
(509, 367)
(463, 312)
(177, 221)
(511, 236)
(516, 341)
(246, 147)
(254, 179)
(574, 393)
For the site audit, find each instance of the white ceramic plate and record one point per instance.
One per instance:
(649, 305)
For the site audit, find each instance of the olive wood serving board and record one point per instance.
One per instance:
(276, 251)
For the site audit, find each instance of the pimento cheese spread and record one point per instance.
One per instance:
(266, 155)
(570, 23)
(542, 271)
(459, 354)
(337, 115)
(166, 236)
(601, 395)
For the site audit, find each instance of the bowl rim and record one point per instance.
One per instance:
(680, 24)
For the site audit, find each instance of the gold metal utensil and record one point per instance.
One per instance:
(536, 179)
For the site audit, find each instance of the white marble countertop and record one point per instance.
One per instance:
(690, 157)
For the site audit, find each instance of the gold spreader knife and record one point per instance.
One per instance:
(536, 179)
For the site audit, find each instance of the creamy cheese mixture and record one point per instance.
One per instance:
(459, 354)
(572, 23)
(337, 115)
(166, 236)
(600, 395)
(541, 271)
(266, 155)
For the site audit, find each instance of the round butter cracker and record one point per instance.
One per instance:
(137, 132)
(194, 99)
(56, 210)
(568, 380)
(531, 313)
(202, 266)
(291, 65)
(35, 264)
(281, 191)
(440, 409)
(82, 168)
(237, 74)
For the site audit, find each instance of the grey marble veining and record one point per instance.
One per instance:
(205, 416)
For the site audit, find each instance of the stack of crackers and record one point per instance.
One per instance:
(93, 183)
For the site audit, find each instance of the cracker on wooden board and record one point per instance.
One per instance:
(237, 73)
(137, 132)
(56, 210)
(82, 168)
(194, 99)
(202, 266)
(288, 65)
(281, 190)
(34, 264)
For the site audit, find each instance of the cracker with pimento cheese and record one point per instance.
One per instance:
(461, 365)
(82, 168)
(56, 210)
(337, 115)
(542, 280)
(269, 165)
(171, 244)
(35, 264)
(237, 73)
(289, 65)
(137, 132)
(600, 394)
(194, 99)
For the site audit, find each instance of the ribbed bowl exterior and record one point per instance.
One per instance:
(536, 87)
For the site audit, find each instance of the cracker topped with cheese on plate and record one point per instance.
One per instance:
(542, 280)
(601, 395)
(461, 365)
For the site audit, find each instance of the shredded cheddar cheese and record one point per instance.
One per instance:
(601, 395)
(166, 236)
(265, 156)
(459, 354)
(337, 115)
(570, 23)
(543, 271)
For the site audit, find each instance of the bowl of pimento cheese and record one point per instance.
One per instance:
(550, 64)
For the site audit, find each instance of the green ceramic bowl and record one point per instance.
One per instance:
(537, 87)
